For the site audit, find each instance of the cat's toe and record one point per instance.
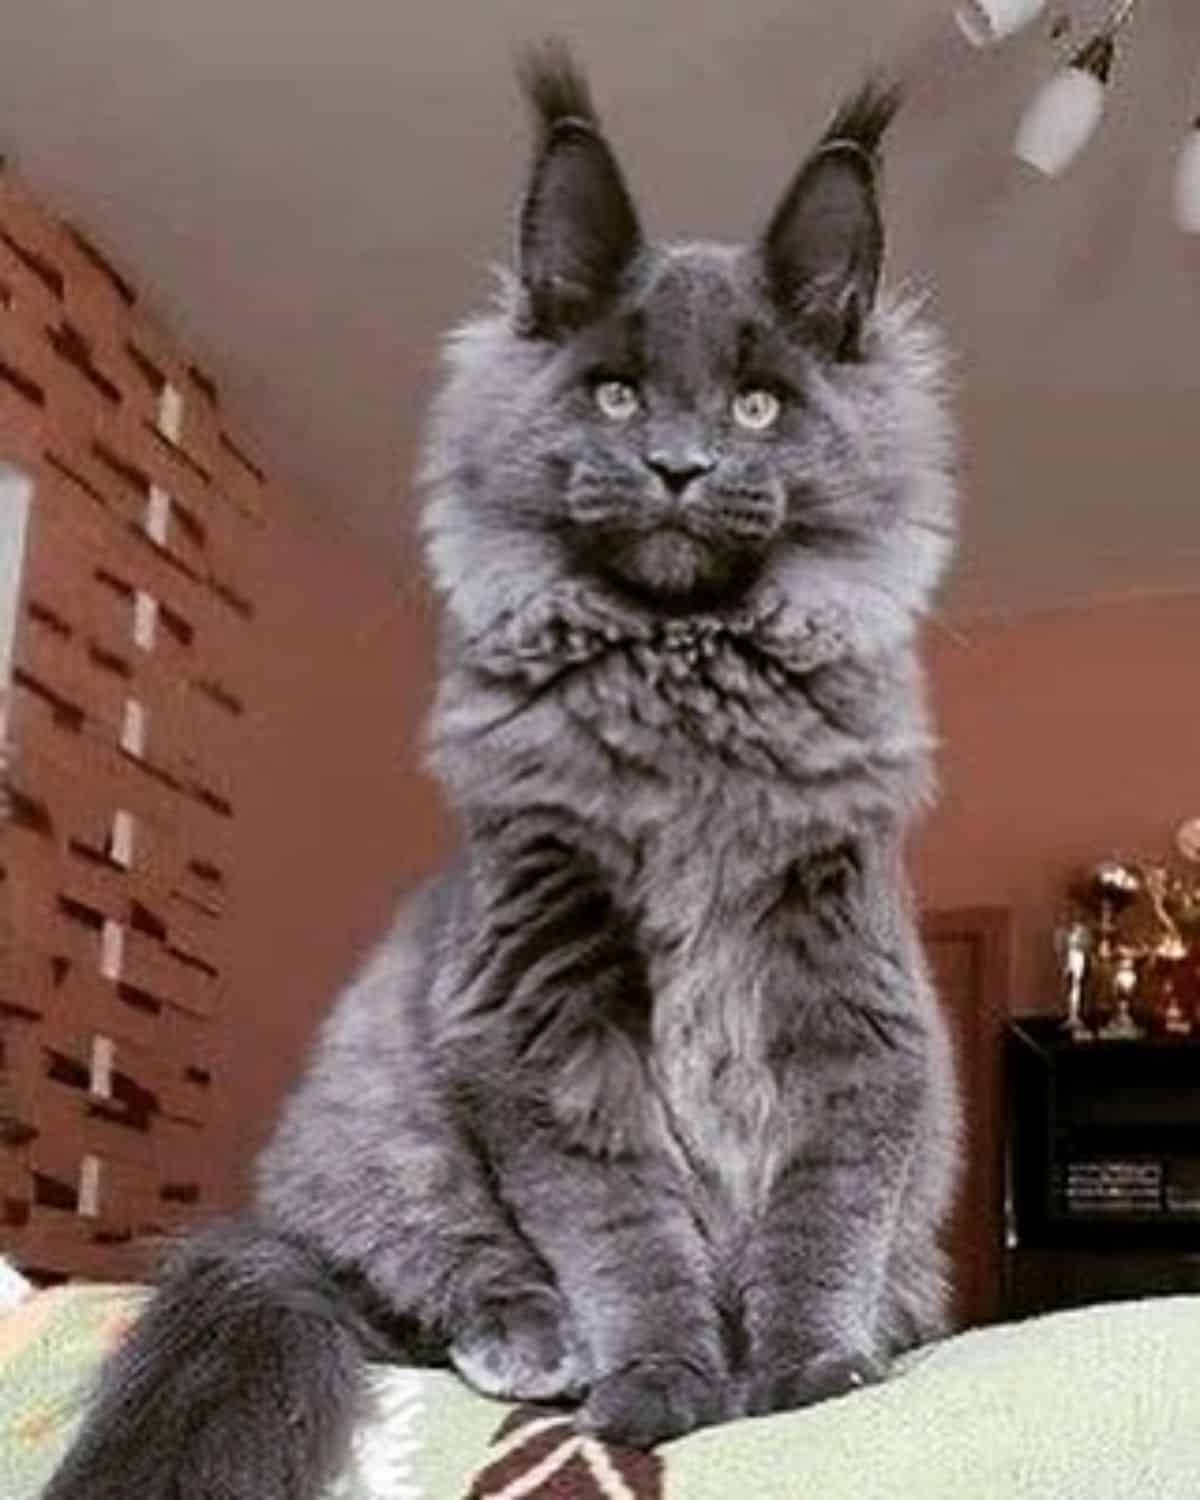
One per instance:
(650, 1401)
(521, 1350)
(830, 1375)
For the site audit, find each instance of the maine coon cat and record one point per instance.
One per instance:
(646, 1103)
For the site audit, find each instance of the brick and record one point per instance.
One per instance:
(64, 1243)
(28, 299)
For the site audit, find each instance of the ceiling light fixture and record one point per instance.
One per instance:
(983, 22)
(1065, 113)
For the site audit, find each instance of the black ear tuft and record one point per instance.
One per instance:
(823, 249)
(555, 85)
(863, 118)
(578, 229)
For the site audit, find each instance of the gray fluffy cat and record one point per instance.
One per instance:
(647, 1103)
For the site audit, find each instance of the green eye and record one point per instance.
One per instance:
(756, 410)
(617, 399)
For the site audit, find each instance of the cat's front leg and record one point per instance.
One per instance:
(856, 1073)
(551, 1041)
(638, 1277)
(815, 1277)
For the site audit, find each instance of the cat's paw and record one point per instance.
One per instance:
(650, 1401)
(833, 1374)
(522, 1349)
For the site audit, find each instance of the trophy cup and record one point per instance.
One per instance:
(1122, 1027)
(1167, 954)
(1114, 886)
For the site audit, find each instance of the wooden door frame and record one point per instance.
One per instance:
(988, 932)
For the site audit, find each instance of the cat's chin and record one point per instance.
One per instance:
(673, 572)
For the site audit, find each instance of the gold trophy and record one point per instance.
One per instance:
(1114, 886)
(1122, 1027)
(1167, 952)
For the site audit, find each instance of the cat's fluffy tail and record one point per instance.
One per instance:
(240, 1380)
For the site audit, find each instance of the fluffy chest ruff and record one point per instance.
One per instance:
(654, 713)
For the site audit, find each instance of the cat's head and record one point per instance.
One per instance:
(683, 429)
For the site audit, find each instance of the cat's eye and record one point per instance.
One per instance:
(756, 409)
(617, 399)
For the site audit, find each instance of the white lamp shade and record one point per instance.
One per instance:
(1187, 190)
(983, 22)
(1057, 124)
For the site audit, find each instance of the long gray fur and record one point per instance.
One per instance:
(646, 1102)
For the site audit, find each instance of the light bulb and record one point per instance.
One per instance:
(1187, 188)
(983, 22)
(1063, 115)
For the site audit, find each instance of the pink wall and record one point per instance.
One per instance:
(1067, 736)
(337, 818)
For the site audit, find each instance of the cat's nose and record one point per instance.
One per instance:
(678, 470)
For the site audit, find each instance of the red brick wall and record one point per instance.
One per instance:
(196, 660)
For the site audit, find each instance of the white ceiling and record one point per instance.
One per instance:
(312, 191)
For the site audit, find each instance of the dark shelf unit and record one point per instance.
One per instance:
(1112, 1123)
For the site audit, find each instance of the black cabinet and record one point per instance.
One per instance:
(1103, 1168)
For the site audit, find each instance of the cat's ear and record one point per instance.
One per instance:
(823, 249)
(578, 231)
